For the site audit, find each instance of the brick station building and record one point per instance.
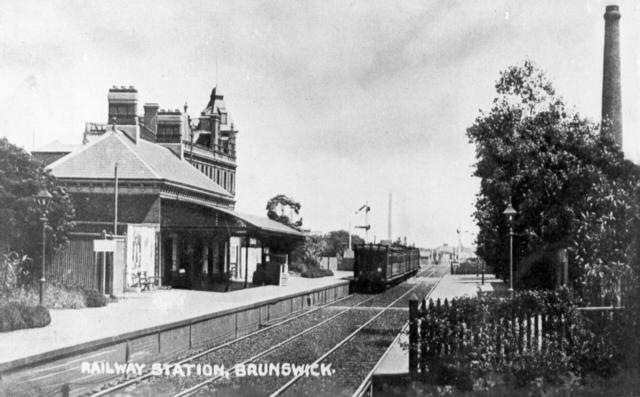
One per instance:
(175, 194)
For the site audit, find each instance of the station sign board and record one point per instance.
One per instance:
(104, 245)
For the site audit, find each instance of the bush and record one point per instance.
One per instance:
(10, 265)
(470, 338)
(95, 298)
(18, 316)
(38, 316)
(315, 272)
(64, 297)
(56, 296)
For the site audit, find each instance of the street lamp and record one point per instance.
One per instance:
(43, 199)
(510, 212)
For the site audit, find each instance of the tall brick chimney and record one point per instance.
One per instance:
(611, 97)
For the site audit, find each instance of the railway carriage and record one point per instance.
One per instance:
(377, 266)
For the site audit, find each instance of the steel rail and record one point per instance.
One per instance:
(366, 383)
(197, 387)
(342, 342)
(213, 349)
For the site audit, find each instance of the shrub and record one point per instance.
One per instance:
(95, 298)
(56, 296)
(10, 264)
(18, 316)
(38, 316)
(470, 338)
(315, 272)
(64, 297)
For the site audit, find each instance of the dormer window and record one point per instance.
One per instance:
(223, 118)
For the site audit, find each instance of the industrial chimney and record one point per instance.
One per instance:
(611, 97)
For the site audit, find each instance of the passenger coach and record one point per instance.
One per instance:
(377, 266)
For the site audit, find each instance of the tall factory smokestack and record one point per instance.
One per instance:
(611, 97)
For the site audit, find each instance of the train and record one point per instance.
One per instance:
(378, 266)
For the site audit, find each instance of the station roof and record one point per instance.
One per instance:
(142, 160)
(263, 223)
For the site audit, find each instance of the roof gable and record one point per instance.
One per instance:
(144, 160)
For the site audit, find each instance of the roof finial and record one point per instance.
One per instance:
(185, 107)
(113, 123)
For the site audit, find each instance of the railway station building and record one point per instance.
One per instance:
(174, 182)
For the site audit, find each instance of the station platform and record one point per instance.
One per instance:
(154, 325)
(394, 364)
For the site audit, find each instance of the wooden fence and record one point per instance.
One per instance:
(75, 264)
(78, 265)
(436, 330)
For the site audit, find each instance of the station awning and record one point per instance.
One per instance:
(264, 224)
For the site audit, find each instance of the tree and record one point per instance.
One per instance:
(281, 209)
(337, 242)
(570, 184)
(21, 177)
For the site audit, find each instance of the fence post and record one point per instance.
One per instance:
(413, 335)
(424, 337)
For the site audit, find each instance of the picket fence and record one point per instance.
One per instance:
(513, 333)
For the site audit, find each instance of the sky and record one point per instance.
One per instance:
(338, 103)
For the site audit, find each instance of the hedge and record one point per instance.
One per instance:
(18, 316)
(95, 298)
(534, 335)
(315, 272)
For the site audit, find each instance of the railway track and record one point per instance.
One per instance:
(334, 328)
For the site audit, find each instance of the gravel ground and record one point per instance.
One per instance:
(353, 361)
(304, 350)
(230, 355)
(421, 291)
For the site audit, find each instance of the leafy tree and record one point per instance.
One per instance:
(569, 183)
(21, 177)
(337, 242)
(281, 209)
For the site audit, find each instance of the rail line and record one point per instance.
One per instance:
(198, 387)
(192, 390)
(365, 387)
(338, 345)
(147, 375)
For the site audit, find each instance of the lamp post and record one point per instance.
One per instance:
(510, 212)
(484, 254)
(43, 199)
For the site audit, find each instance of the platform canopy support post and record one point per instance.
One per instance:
(246, 262)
